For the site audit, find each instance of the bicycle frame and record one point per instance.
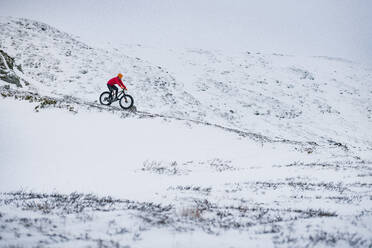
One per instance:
(121, 94)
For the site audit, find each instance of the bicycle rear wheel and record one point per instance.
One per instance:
(105, 98)
(126, 102)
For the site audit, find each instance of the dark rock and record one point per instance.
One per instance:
(19, 67)
(11, 78)
(8, 60)
(6, 69)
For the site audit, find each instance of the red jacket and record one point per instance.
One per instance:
(116, 80)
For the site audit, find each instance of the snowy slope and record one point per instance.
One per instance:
(221, 150)
(272, 94)
(61, 65)
(297, 98)
(169, 183)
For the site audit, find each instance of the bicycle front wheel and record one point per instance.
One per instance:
(105, 98)
(126, 102)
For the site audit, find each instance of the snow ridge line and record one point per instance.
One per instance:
(67, 102)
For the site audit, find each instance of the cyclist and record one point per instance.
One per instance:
(116, 80)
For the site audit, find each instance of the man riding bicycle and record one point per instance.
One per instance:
(111, 85)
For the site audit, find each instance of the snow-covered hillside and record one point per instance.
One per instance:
(58, 64)
(276, 95)
(222, 150)
(301, 98)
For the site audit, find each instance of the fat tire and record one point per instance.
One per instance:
(130, 98)
(102, 96)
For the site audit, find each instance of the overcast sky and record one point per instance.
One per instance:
(341, 28)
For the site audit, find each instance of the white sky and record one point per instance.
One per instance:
(341, 28)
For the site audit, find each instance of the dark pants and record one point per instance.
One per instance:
(113, 88)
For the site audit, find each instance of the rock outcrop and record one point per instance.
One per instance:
(7, 67)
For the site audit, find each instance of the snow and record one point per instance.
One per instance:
(101, 153)
(74, 152)
(227, 150)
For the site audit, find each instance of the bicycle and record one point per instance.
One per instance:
(126, 101)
